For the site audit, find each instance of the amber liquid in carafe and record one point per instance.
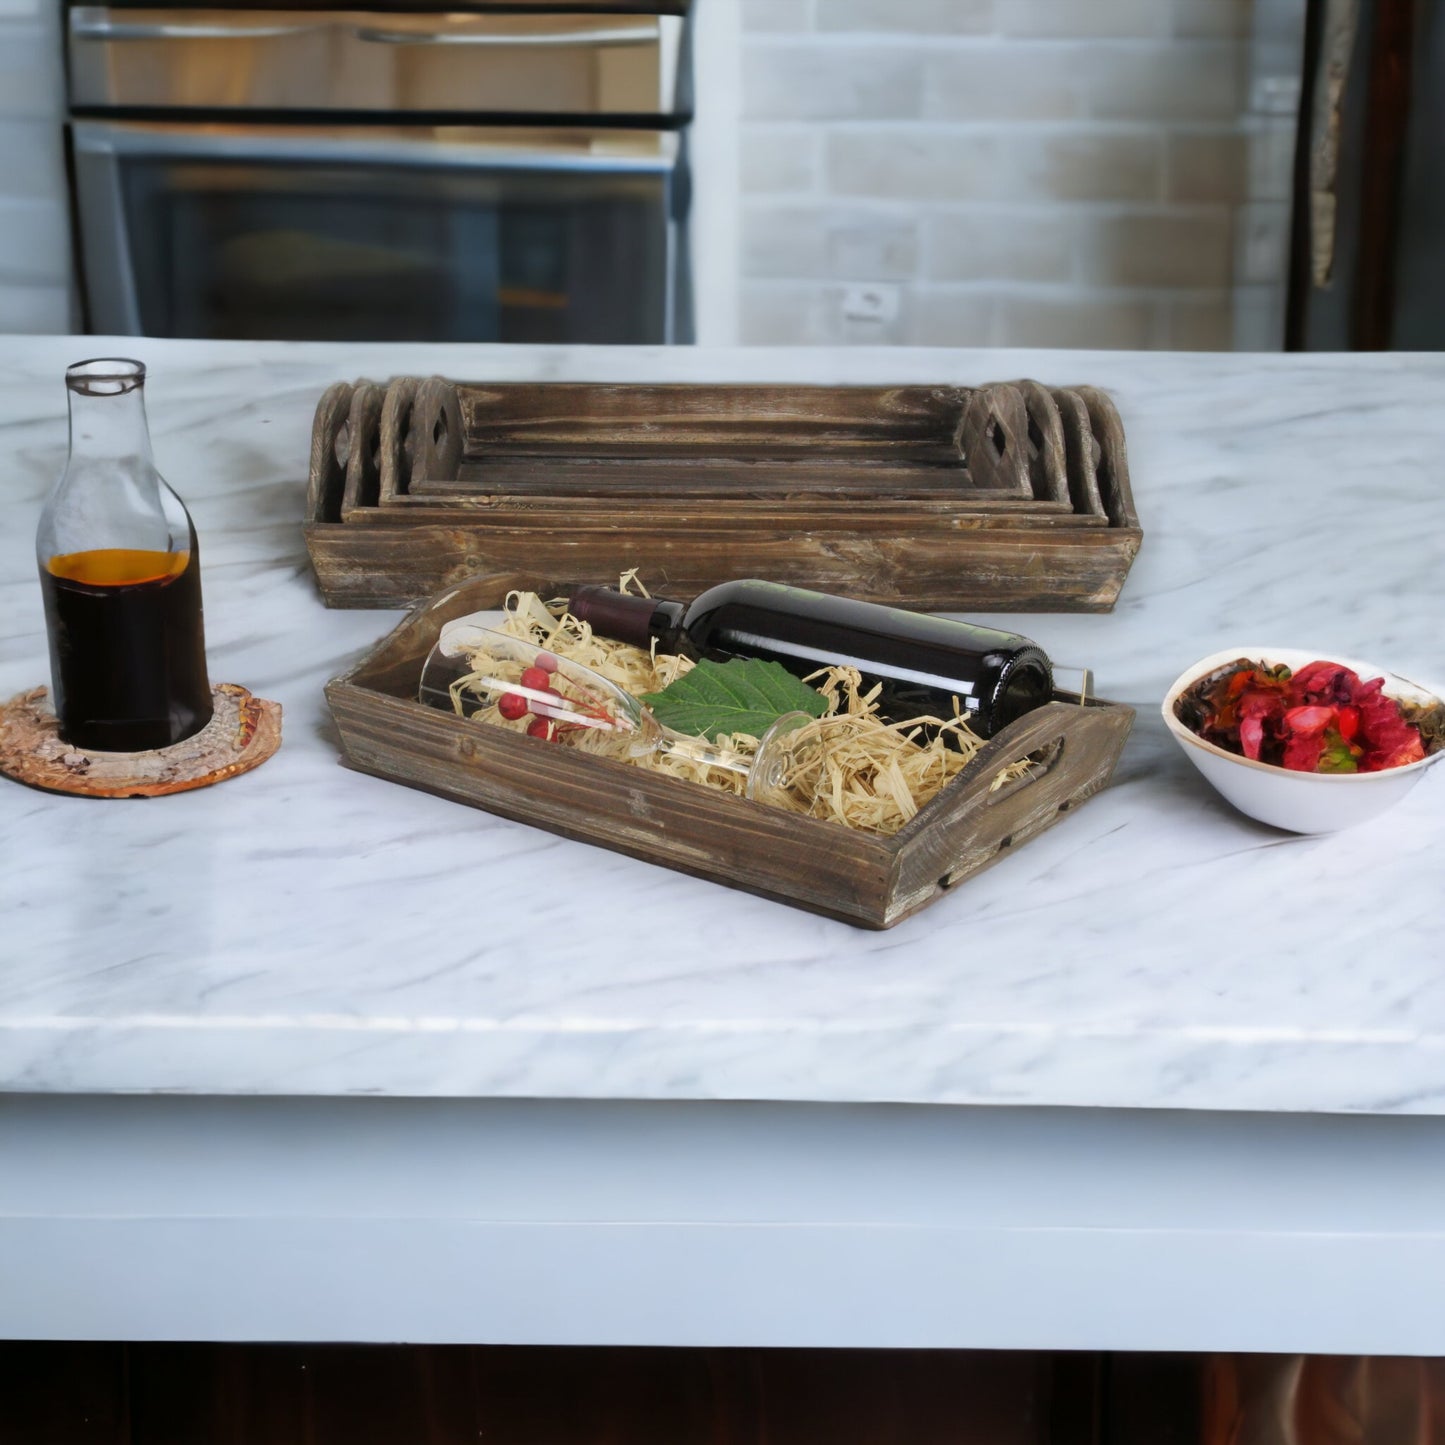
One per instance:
(127, 647)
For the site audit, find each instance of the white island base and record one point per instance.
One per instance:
(311, 1056)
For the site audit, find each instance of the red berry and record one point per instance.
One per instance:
(542, 727)
(547, 662)
(512, 706)
(537, 678)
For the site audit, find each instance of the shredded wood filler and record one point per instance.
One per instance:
(866, 773)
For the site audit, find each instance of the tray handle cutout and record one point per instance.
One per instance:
(1041, 760)
(437, 431)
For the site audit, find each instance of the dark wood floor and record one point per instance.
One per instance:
(112, 1394)
(56, 1394)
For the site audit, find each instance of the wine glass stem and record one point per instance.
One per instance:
(699, 751)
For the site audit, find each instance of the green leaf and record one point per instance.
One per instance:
(744, 695)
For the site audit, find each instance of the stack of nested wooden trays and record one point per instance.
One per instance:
(1004, 497)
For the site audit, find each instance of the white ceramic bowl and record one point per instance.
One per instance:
(1299, 802)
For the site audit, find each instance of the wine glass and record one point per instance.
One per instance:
(523, 679)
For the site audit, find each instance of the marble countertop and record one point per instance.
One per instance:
(309, 930)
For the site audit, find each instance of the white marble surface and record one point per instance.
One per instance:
(309, 930)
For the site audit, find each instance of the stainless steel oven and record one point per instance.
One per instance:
(399, 175)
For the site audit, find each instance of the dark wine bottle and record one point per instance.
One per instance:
(923, 662)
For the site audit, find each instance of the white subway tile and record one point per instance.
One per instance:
(951, 318)
(783, 241)
(780, 159)
(1187, 251)
(776, 15)
(1093, 18)
(811, 242)
(1007, 82)
(1262, 242)
(1082, 165)
(1208, 166)
(1182, 81)
(1212, 19)
(811, 81)
(1274, 86)
(1258, 318)
(1097, 322)
(905, 164)
(944, 17)
(1000, 245)
(801, 314)
(1271, 161)
(1205, 324)
(1280, 20)
(866, 246)
(775, 315)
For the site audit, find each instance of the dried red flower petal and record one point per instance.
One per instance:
(1387, 740)
(1302, 753)
(1311, 719)
(1257, 710)
(1323, 682)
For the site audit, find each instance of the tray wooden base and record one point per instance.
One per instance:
(243, 732)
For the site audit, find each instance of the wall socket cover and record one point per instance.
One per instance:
(870, 303)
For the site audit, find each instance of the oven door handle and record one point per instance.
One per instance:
(237, 144)
(634, 35)
(88, 23)
(127, 30)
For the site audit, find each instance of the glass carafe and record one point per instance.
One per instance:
(121, 576)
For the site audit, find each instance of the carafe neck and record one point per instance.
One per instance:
(107, 412)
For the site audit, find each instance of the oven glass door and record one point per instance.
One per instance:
(233, 233)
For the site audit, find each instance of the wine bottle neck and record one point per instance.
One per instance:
(620, 615)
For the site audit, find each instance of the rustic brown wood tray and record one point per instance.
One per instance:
(1010, 496)
(861, 878)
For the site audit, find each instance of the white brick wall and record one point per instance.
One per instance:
(1016, 172)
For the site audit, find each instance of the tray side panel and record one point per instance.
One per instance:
(730, 504)
(817, 866)
(628, 419)
(948, 570)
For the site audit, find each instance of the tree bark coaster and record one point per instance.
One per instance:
(243, 732)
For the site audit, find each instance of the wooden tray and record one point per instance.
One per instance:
(1009, 496)
(861, 878)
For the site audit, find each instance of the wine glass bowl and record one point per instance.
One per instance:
(473, 668)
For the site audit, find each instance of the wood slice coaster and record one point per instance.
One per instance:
(243, 732)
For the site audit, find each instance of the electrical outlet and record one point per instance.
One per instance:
(870, 303)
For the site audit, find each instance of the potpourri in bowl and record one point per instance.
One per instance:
(1311, 742)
